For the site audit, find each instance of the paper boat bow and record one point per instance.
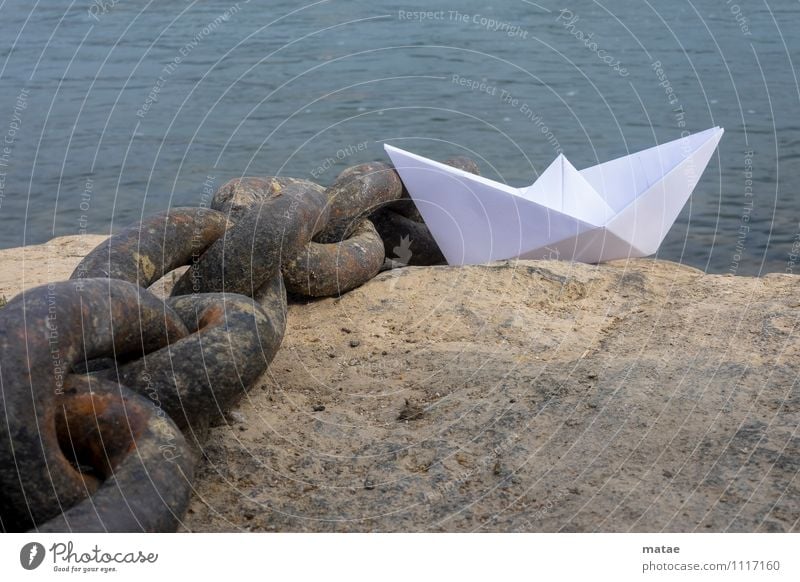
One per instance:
(618, 209)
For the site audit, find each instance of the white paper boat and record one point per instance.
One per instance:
(618, 209)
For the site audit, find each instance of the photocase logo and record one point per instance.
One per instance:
(403, 254)
(31, 555)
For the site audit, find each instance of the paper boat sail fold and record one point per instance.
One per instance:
(619, 209)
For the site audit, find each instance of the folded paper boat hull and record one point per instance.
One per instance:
(619, 209)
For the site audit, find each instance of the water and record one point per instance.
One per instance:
(119, 109)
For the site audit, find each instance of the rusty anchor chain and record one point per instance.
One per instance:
(108, 389)
(42, 402)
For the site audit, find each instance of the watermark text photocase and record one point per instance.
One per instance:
(568, 20)
(100, 8)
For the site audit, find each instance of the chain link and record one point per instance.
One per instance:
(108, 390)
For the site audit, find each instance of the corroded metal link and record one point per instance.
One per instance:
(331, 269)
(236, 197)
(84, 452)
(44, 332)
(250, 253)
(198, 378)
(133, 449)
(406, 241)
(357, 192)
(144, 252)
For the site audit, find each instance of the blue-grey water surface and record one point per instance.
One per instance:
(114, 109)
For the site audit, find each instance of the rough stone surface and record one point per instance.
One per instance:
(531, 396)
(26, 267)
